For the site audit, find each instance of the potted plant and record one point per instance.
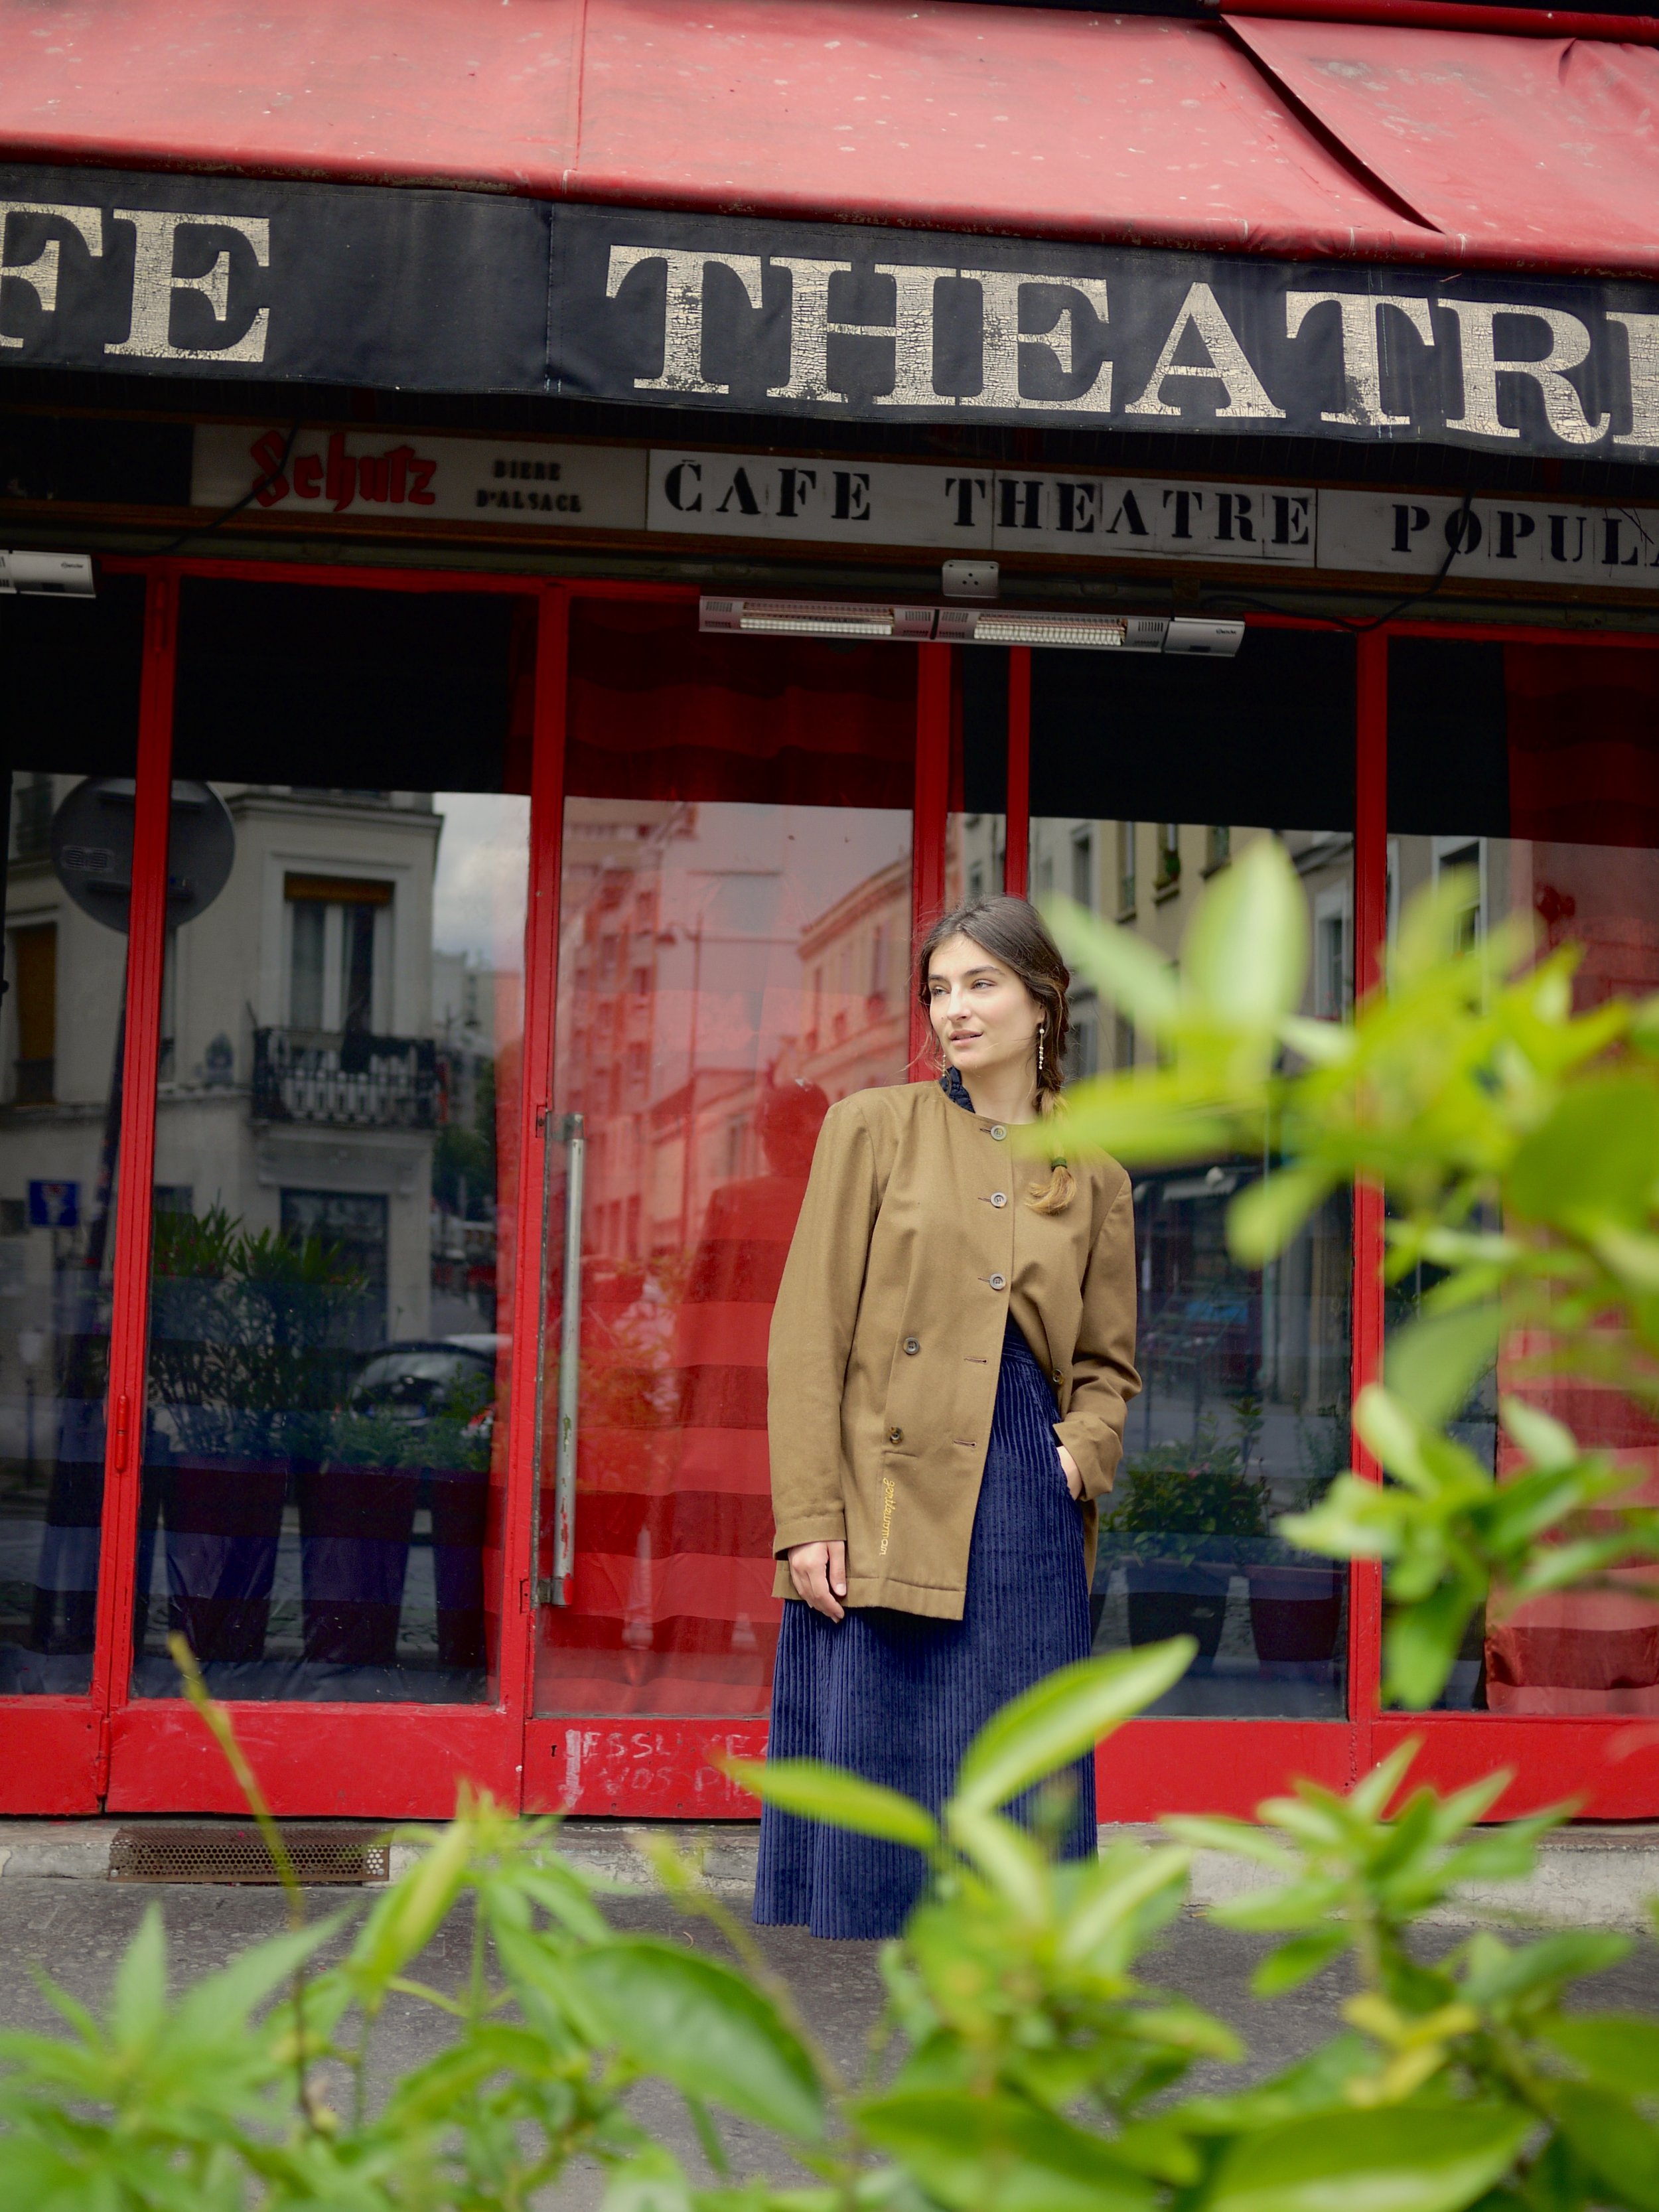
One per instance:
(1183, 1510)
(1296, 1600)
(249, 1344)
(356, 1516)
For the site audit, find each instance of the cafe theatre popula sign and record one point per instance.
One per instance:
(934, 508)
(444, 291)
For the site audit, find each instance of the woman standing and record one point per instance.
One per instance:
(952, 1359)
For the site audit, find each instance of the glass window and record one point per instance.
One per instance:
(71, 707)
(1243, 1412)
(1530, 774)
(975, 828)
(337, 1129)
(738, 810)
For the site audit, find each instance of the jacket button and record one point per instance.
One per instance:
(998, 1198)
(896, 1436)
(912, 1346)
(999, 1282)
(998, 1131)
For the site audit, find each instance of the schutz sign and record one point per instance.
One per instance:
(457, 291)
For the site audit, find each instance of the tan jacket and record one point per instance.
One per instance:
(914, 1241)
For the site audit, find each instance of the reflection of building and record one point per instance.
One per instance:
(315, 1056)
(855, 963)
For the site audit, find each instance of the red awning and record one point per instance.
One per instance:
(1289, 138)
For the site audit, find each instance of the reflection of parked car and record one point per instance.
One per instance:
(426, 1378)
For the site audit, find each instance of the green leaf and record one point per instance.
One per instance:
(1138, 979)
(1246, 951)
(1613, 2141)
(1548, 1443)
(1433, 1363)
(1298, 1962)
(992, 2153)
(1398, 2159)
(138, 2002)
(1265, 1216)
(1009, 1859)
(703, 2027)
(1065, 1715)
(652, 2180)
(1421, 1643)
(818, 1792)
(1617, 2051)
(1594, 1158)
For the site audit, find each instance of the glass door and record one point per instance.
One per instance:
(72, 691)
(734, 927)
(337, 1137)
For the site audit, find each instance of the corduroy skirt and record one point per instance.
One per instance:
(897, 1698)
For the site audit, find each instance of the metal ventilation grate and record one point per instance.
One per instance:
(324, 1852)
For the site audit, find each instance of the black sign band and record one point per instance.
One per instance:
(442, 291)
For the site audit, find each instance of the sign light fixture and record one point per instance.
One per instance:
(960, 625)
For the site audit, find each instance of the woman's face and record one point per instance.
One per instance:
(982, 1015)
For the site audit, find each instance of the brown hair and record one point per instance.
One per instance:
(1011, 931)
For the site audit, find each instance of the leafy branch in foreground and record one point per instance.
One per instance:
(1516, 1142)
(1026, 2060)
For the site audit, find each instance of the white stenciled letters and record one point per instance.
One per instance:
(40, 273)
(1641, 340)
(1201, 313)
(910, 332)
(682, 331)
(1005, 345)
(1362, 366)
(1569, 346)
(154, 281)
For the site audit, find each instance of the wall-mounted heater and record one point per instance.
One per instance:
(52, 575)
(915, 624)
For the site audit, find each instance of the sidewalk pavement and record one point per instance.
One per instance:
(1598, 1874)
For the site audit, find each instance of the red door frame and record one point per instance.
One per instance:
(65, 1754)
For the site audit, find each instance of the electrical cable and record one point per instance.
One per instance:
(1453, 546)
(263, 484)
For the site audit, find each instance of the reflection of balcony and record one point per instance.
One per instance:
(352, 1080)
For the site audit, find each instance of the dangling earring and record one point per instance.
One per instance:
(1040, 1055)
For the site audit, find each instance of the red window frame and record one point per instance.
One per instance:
(67, 1756)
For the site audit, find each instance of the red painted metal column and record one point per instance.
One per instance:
(1017, 804)
(518, 1652)
(135, 1160)
(933, 800)
(1370, 915)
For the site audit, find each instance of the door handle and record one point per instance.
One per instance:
(570, 1131)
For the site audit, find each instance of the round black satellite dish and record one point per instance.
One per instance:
(92, 848)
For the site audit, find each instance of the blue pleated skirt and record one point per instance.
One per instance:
(897, 1698)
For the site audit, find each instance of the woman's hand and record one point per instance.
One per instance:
(1067, 1468)
(819, 1574)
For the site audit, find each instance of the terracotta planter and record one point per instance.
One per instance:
(1296, 1611)
(223, 1520)
(1167, 1599)
(354, 1527)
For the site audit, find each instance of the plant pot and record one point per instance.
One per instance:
(1296, 1612)
(354, 1527)
(1168, 1599)
(460, 1518)
(224, 1521)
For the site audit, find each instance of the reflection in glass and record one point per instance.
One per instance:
(1528, 776)
(734, 935)
(336, 1159)
(1243, 1412)
(71, 708)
